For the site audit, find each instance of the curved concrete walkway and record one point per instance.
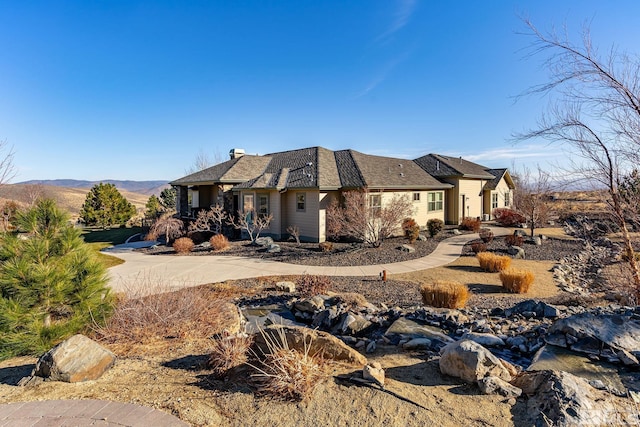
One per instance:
(149, 273)
(83, 413)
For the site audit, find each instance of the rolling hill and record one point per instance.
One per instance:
(140, 187)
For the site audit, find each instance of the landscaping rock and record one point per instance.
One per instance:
(310, 305)
(520, 233)
(374, 373)
(588, 332)
(286, 287)
(422, 238)
(317, 342)
(353, 324)
(487, 340)
(407, 248)
(470, 361)
(409, 329)
(273, 248)
(516, 251)
(627, 358)
(456, 232)
(567, 400)
(74, 360)
(541, 309)
(495, 385)
(325, 318)
(417, 344)
(263, 241)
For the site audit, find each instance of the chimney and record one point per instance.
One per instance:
(236, 153)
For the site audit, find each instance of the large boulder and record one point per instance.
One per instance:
(541, 309)
(487, 340)
(406, 328)
(470, 361)
(588, 333)
(567, 400)
(311, 340)
(74, 360)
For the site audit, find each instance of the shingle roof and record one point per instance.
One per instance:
(498, 174)
(444, 166)
(316, 167)
(232, 171)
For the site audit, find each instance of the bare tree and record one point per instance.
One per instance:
(596, 111)
(203, 160)
(209, 220)
(364, 217)
(32, 193)
(168, 225)
(532, 196)
(7, 167)
(294, 231)
(251, 222)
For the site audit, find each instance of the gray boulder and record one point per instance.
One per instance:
(310, 305)
(470, 361)
(495, 385)
(541, 309)
(353, 324)
(567, 400)
(74, 360)
(406, 328)
(374, 373)
(273, 248)
(488, 340)
(517, 252)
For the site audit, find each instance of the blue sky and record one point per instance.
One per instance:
(133, 90)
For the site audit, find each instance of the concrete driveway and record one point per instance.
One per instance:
(143, 273)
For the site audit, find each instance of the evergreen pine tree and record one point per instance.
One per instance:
(105, 206)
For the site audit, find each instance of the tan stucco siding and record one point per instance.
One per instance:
(325, 199)
(275, 227)
(307, 220)
(501, 191)
(421, 211)
(472, 189)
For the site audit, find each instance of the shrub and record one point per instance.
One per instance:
(493, 263)
(310, 285)
(183, 245)
(514, 240)
(51, 283)
(435, 226)
(411, 229)
(325, 246)
(228, 351)
(486, 235)
(518, 281)
(508, 217)
(470, 224)
(447, 294)
(219, 242)
(287, 373)
(478, 247)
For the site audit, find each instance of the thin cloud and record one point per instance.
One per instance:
(382, 74)
(400, 19)
(526, 151)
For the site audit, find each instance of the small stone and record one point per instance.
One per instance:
(495, 385)
(371, 347)
(422, 238)
(517, 252)
(273, 248)
(374, 373)
(627, 358)
(456, 232)
(263, 241)
(286, 287)
(407, 248)
(487, 340)
(417, 344)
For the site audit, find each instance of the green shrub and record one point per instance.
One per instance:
(51, 284)
(435, 226)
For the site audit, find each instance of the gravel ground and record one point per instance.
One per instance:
(343, 254)
(550, 250)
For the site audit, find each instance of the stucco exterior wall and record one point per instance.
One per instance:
(307, 220)
(501, 190)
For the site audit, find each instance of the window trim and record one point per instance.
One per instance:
(435, 201)
(416, 196)
(507, 199)
(259, 207)
(299, 201)
(495, 202)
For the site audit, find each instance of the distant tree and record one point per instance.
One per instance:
(105, 206)
(203, 160)
(168, 199)
(630, 197)
(33, 193)
(153, 207)
(532, 196)
(364, 217)
(51, 284)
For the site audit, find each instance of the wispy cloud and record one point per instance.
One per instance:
(382, 74)
(513, 153)
(400, 18)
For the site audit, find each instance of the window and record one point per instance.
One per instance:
(301, 199)
(247, 206)
(375, 202)
(434, 201)
(263, 205)
(416, 197)
(507, 198)
(494, 200)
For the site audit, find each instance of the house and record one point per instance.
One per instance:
(297, 186)
(475, 190)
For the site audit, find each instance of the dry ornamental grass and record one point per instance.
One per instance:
(183, 245)
(517, 281)
(228, 351)
(493, 263)
(446, 294)
(219, 242)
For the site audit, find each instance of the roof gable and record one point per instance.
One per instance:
(232, 171)
(445, 166)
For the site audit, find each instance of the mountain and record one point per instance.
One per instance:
(140, 187)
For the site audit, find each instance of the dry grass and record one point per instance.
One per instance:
(286, 373)
(153, 313)
(219, 242)
(228, 351)
(351, 299)
(517, 281)
(466, 271)
(183, 245)
(447, 294)
(493, 263)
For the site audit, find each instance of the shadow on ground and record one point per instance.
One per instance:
(12, 375)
